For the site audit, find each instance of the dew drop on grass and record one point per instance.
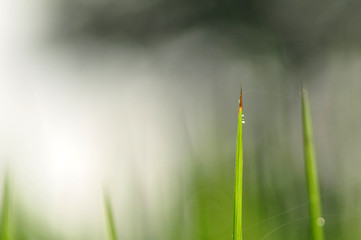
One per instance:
(321, 221)
(243, 121)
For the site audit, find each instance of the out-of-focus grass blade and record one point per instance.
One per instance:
(5, 209)
(110, 218)
(315, 209)
(237, 224)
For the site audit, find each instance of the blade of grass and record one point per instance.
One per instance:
(110, 218)
(237, 224)
(315, 208)
(4, 231)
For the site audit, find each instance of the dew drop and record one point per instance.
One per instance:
(320, 221)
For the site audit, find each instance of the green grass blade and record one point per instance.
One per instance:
(110, 218)
(315, 208)
(237, 224)
(4, 231)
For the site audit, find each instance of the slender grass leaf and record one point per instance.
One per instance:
(237, 224)
(110, 218)
(315, 208)
(5, 209)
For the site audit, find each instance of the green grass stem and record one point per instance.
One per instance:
(110, 218)
(315, 208)
(237, 224)
(5, 209)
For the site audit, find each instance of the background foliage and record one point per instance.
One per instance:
(140, 97)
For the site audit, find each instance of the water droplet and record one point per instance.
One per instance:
(243, 121)
(320, 221)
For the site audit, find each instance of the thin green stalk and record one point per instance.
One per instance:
(110, 218)
(4, 231)
(315, 208)
(237, 224)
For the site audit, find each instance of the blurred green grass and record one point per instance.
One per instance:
(313, 189)
(275, 196)
(196, 57)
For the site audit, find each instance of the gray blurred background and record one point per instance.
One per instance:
(140, 98)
